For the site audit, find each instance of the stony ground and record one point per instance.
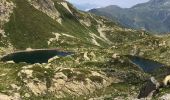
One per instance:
(99, 68)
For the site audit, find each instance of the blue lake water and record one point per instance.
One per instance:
(146, 64)
(34, 56)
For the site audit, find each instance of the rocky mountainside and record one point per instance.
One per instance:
(98, 68)
(153, 15)
(47, 23)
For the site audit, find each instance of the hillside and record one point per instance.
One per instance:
(152, 15)
(98, 67)
(41, 25)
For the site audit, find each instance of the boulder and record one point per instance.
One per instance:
(149, 89)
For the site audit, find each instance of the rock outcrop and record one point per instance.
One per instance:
(6, 9)
(63, 81)
(149, 89)
(165, 97)
(47, 7)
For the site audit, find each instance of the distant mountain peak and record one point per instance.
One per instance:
(159, 2)
(114, 6)
(153, 15)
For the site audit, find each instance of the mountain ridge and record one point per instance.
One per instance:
(99, 67)
(59, 19)
(152, 15)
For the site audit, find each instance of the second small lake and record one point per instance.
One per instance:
(145, 64)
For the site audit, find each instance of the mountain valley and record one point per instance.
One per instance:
(151, 16)
(98, 69)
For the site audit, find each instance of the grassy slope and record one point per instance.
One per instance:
(29, 27)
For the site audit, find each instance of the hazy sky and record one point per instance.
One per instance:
(102, 3)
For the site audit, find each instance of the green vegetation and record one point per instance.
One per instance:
(96, 79)
(135, 17)
(106, 65)
(26, 25)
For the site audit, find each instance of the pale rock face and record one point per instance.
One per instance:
(92, 54)
(3, 74)
(67, 35)
(27, 72)
(6, 9)
(115, 56)
(61, 84)
(15, 87)
(27, 95)
(163, 43)
(165, 97)
(56, 38)
(86, 22)
(52, 59)
(65, 5)
(4, 97)
(95, 73)
(2, 33)
(47, 7)
(37, 88)
(102, 33)
(8, 50)
(94, 41)
(166, 80)
(10, 62)
(102, 28)
(86, 56)
(29, 49)
(16, 96)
